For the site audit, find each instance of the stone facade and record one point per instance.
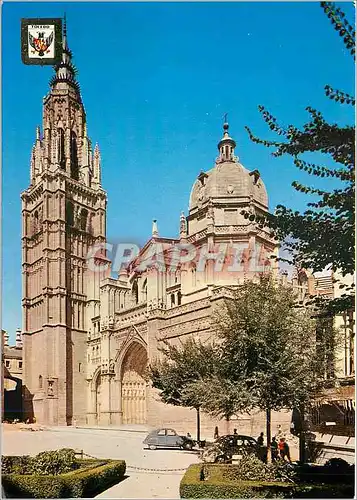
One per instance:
(63, 214)
(89, 332)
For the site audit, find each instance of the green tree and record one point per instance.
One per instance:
(323, 235)
(265, 355)
(177, 367)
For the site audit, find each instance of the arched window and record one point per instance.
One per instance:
(74, 157)
(83, 219)
(145, 290)
(40, 382)
(179, 296)
(61, 155)
(135, 292)
(172, 299)
(193, 276)
(35, 222)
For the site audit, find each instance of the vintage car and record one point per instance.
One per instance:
(168, 438)
(227, 447)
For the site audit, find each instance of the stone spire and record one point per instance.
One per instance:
(226, 145)
(18, 338)
(5, 338)
(183, 226)
(155, 231)
(65, 70)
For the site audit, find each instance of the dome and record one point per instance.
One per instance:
(228, 179)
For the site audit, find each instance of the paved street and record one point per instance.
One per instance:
(119, 444)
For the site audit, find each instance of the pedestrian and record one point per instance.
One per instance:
(188, 435)
(274, 450)
(235, 437)
(260, 439)
(287, 451)
(216, 433)
(284, 449)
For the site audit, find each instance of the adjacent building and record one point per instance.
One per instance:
(11, 403)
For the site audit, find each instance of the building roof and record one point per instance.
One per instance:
(12, 352)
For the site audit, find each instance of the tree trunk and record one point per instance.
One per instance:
(268, 432)
(302, 456)
(198, 420)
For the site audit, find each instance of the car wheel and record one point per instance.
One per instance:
(152, 447)
(188, 446)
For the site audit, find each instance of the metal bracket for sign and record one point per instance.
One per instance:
(41, 41)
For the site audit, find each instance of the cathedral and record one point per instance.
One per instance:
(89, 332)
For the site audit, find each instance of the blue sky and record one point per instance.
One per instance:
(156, 79)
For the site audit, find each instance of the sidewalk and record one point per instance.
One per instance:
(124, 427)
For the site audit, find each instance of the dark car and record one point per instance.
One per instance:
(168, 438)
(226, 447)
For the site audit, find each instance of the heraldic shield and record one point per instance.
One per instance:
(41, 41)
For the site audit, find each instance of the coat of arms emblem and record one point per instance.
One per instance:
(41, 41)
(42, 44)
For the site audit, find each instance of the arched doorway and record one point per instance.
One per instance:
(97, 397)
(133, 385)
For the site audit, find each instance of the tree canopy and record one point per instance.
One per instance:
(323, 235)
(265, 353)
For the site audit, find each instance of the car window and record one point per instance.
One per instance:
(171, 432)
(161, 432)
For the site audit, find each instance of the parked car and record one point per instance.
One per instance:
(168, 438)
(225, 447)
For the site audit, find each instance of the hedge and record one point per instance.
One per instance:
(215, 486)
(88, 481)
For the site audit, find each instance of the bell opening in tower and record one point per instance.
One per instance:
(74, 157)
(61, 155)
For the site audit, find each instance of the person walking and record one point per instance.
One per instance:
(284, 450)
(216, 433)
(287, 452)
(274, 450)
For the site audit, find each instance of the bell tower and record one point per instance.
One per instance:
(63, 217)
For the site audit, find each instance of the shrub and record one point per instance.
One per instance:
(45, 463)
(16, 465)
(54, 462)
(251, 468)
(338, 465)
(93, 478)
